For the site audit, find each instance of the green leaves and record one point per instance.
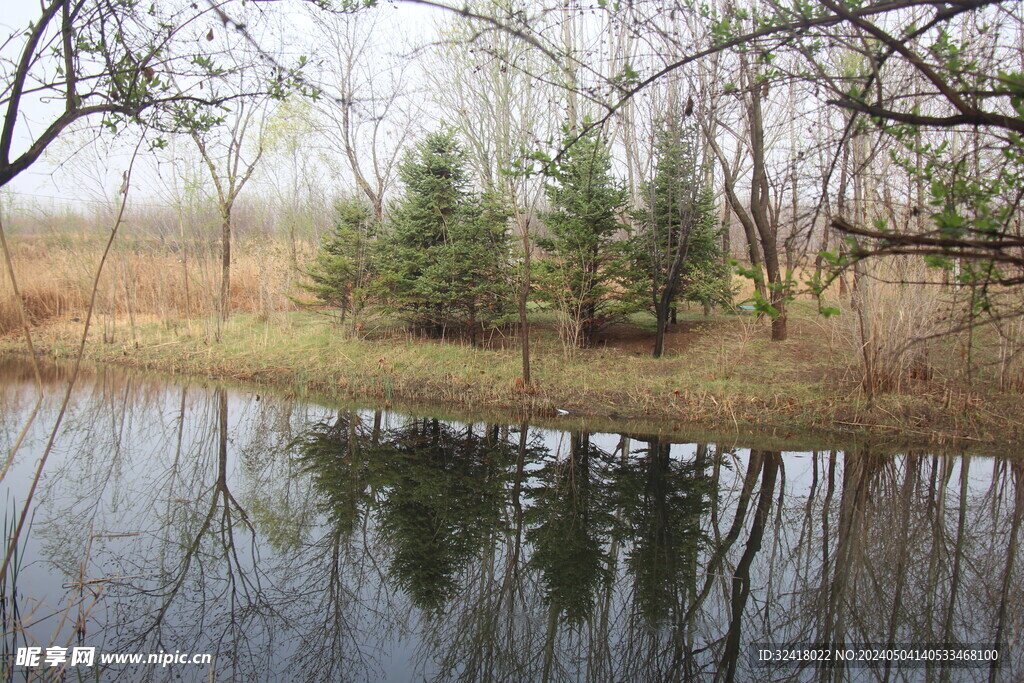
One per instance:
(781, 291)
(755, 275)
(828, 311)
(587, 269)
(626, 79)
(445, 265)
(1012, 84)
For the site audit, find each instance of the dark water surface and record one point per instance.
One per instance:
(294, 541)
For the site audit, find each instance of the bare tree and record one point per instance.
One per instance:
(231, 166)
(758, 214)
(368, 116)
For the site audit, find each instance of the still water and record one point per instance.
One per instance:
(294, 541)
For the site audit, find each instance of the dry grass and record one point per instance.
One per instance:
(891, 324)
(55, 278)
(903, 331)
(730, 376)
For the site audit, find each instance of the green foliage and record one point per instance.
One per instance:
(780, 292)
(967, 208)
(446, 264)
(143, 56)
(706, 279)
(344, 270)
(443, 502)
(333, 452)
(566, 526)
(677, 249)
(586, 276)
(626, 79)
(434, 489)
(662, 501)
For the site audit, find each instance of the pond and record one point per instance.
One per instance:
(297, 541)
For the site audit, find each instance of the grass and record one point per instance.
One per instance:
(723, 374)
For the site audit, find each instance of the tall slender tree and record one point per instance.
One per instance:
(231, 165)
(677, 235)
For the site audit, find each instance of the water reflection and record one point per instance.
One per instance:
(298, 541)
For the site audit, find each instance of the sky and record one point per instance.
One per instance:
(79, 172)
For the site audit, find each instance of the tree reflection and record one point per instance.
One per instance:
(664, 501)
(567, 525)
(440, 492)
(769, 463)
(358, 541)
(222, 543)
(442, 501)
(334, 454)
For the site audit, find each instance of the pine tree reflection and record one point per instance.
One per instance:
(442, 502)
(567, 525)
(333, 454)
(338, 570)
(664, 501)
(440, 494)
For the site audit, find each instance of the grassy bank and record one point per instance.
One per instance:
(720, 373)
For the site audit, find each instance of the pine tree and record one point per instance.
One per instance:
(446, 264)
(343, 271)
(706, 279)
(584, 278)
(675, 249)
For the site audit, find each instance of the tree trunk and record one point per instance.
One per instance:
(589, 325)
(524, 292)
(659, 335)
(225, 279)
(759, 199)
(726, 233)
(779, 330)
(664, 308)
(589, 307)
(746, 221)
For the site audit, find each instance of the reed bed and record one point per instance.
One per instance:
(149, 279)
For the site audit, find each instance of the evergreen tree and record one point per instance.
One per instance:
(676, 246)
(585, 276)
(706, 278)
(343, 271)
(446, 264)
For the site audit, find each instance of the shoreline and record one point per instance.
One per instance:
(421, 375)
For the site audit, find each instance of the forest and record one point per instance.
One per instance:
(768, 213)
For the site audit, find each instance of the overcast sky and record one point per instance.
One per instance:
(93, 176)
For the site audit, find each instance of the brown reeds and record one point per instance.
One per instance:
(154, 281)
(906, 329)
